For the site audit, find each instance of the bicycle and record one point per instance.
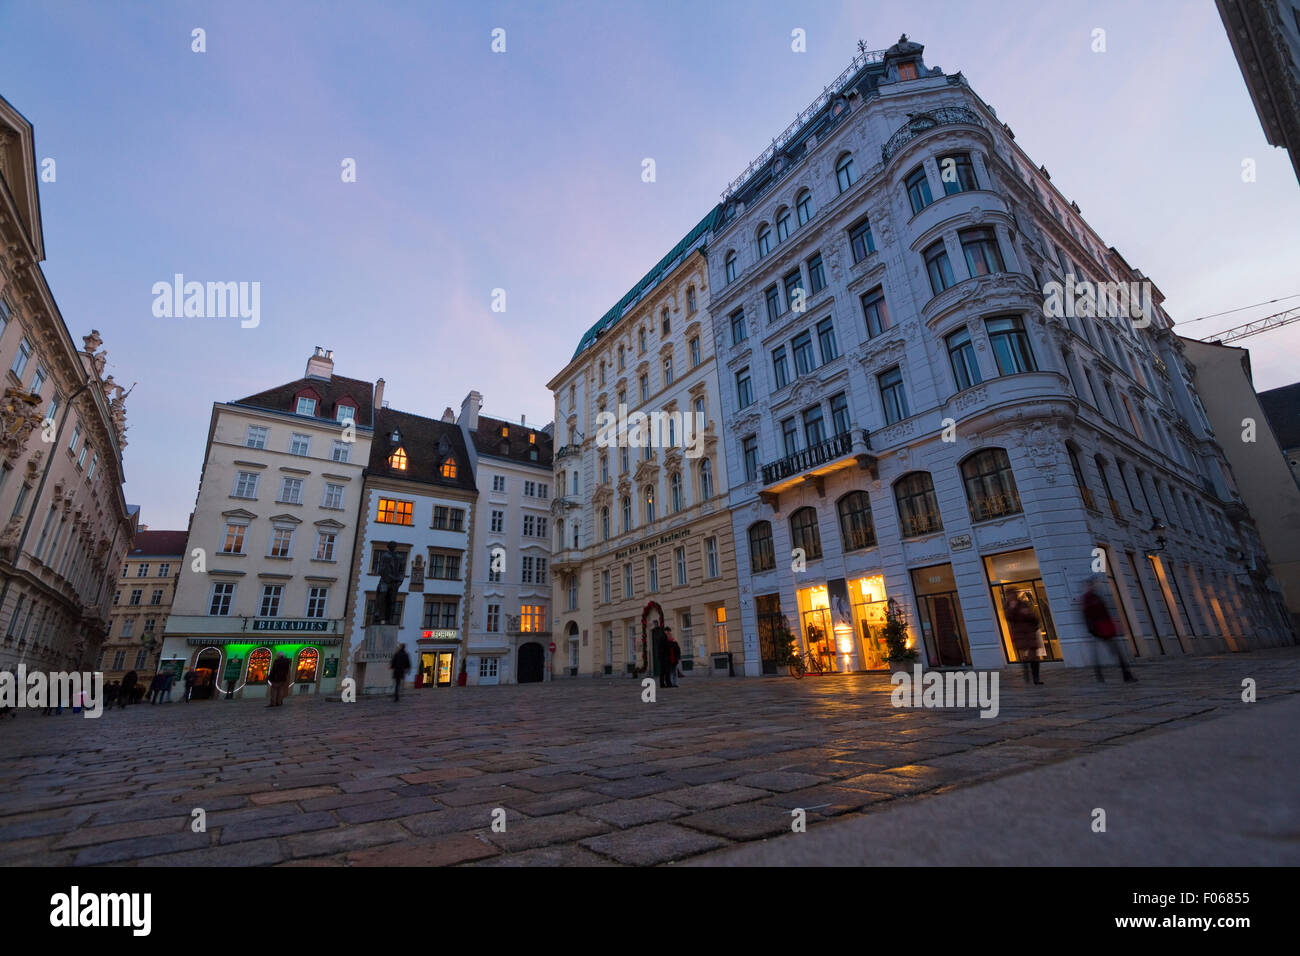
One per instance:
(803, 663)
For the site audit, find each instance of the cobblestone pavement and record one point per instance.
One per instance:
(584, 771)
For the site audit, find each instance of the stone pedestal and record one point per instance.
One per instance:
(373, 659)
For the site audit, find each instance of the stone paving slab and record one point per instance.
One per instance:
(584, 771)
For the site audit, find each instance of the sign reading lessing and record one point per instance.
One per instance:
(272, 625)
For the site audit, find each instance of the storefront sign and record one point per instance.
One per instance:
(959, 542)
(440, 634)
(275, 624)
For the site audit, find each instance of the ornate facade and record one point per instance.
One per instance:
(62, 431)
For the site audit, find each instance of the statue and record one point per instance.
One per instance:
(390, 581)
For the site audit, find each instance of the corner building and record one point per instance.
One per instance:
(643, 527)
(923, 430)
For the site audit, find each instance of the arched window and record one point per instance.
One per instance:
(782, 224)
(706, 480)
(627, 514)
(990, 485)
(604, 523)
(649, 504)
(918, 509)
(308, 659)
(764, 240)
(805, 534)
(675, 490)
(397, 460)
(731, 271)
(803, 204)
(761, 555)
(259, 665)
(844, 171)
(856, 527)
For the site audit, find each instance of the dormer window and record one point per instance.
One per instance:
(907, 71)
(345, 413)
(505, 432)
(449, 468)
(397, 460)
(532, 438)
(306, 406)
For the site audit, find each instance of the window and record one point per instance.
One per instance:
(665, 326)
(526, 570)
(345, 413)
(690, 300)
(136, 595)
(826, 339)
(117, 597)
(627, 581)
(918, 189)
(794, 296)
(234, 543)
(980, 246)
(441, 614)
(938, 267)
(668, 371)
(804, 206)
(397, 460)
(965, 369)
(802, 348)
(448, 469)
(640, 339)
(21, 359)
(781, 375)
(281, 543)
(711, 557)
(299, 444)
(142, 571)
(1123, 478)
(649, 504)
(744, 388)
(738, 331)
(530, 489)
(128, 625)
(706, 480)
(448, 519)
(749, 452)
(341, 452)
(652, 573)
(627, 514)
(892, 396)
(790, 436)
(679, 561)
(731, 274)
(1078, 479)
(857, 529)
(840, 414)
(918, 509)
(604, 587)
(290, 491)
(306, 406)
(393, 511)
(844, 172)
(493, 618)
(317, 601)
(773, 297)
(814, 428)
(444, 565)
(761, 555)
(76, 438)
(498, 521)
(907, 71)
(325, 545)
(271, 600)
(990, 486)
(256, 436)
(223, 595)
(1010, 345)
(957, 173)
(816, 274)
(695, 351)
(531, 617)
(156, 597)
(498, 483)
(333, 496)
(875, 313)
(804, 533)
(675, 491)
(861, 242)
(764, 240)
(529, 524)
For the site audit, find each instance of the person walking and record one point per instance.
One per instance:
(660, 638)
(1026, 637)
(155, 689)
(401, 664)
(279, 679)
(168, 679)
(188, 680)
(127, 690)
(674, 656)
(1103, 627)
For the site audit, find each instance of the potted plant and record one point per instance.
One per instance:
(898, 654)
(786, 645)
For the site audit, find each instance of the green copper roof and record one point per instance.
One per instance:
(650, 278)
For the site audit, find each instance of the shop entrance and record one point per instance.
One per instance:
(870, 610)
(206, 671)
(435, 668)
(1015, 575)
(941, 621)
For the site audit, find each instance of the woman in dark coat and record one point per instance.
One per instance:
(279, 678)
(1025, 635)
(127, 690)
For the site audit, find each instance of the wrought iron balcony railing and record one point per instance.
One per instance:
(919, 524)
(924, 122)
(994, 506)
(807, 458)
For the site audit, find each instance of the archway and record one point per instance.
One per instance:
(207, 671)
(532, 663)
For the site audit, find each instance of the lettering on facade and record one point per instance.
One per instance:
(959, 542)
(651, 545)
(269, 625)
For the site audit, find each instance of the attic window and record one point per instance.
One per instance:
(532, 438)
(306, 406)
(907, 71)
(397, 460)
(345, 413)
(505, 432)
(449, 468)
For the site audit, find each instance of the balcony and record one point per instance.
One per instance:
(995, 506)
(566, 450)
(922, 123)
(916, 525)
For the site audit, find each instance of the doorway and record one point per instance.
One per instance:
(942, 625)
(207, 668)
(435, 668)
(532, 663)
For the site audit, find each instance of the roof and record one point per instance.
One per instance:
(648, 280)
(1282, 407)
(516, 445)
(148, 544)
(330, 390)
(423, 441)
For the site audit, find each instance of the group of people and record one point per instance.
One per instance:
(1027, 635)
(668, 655)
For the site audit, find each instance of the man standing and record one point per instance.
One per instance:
(674, 656)
(401, 664)
(279, 678)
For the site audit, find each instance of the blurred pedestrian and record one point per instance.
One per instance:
(189, 684)
(401, 663)
(660, 638)
(1103, 627)
(126, 692)
(279, 678)
(674, 656)
(1026, 636)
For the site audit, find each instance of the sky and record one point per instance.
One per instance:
(521, 171)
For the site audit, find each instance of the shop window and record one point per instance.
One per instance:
(259, 665)
(308, 661)
(1015, 576)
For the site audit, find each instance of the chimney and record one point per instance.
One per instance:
(448, 415)
(521, 420)
(469, 410)
(321, 364)
(379, 394)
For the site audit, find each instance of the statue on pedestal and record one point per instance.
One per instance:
(390, 582)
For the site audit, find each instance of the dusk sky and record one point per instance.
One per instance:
(522, 171)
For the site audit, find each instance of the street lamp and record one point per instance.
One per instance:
(1157, 526)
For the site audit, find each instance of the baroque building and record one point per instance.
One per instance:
(933, 403)
(640, 515)
(270, 540)
(142, 600)
(62, 432)
(1265, 38)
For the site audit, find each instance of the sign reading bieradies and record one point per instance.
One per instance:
(271, 624)
(649, 545)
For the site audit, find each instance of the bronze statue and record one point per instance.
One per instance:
(390, 581)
